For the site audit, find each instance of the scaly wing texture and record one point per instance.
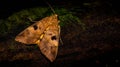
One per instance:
(49, 43)
(31, 34)
(45, 33)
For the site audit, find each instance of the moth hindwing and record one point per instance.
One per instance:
(45, 33)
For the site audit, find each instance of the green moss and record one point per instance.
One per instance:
(18, 21)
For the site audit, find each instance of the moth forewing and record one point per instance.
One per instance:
(49, 43)
(45, 33)
(31, 34)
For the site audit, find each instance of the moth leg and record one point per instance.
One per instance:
(60, 36)
(41, 36)
(38, 41)
(61, 41)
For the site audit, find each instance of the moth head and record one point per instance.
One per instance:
(56, 16)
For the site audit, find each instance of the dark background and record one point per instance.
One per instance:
(106, 7)
(7, 7)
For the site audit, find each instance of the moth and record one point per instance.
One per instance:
(45, 33)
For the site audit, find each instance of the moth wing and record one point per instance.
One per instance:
(49, 43)
(31, 34)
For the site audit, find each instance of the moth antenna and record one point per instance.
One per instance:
(50, 6)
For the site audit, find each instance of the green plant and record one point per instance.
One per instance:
(18, 21)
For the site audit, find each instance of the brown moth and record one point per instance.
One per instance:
(45, 33)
